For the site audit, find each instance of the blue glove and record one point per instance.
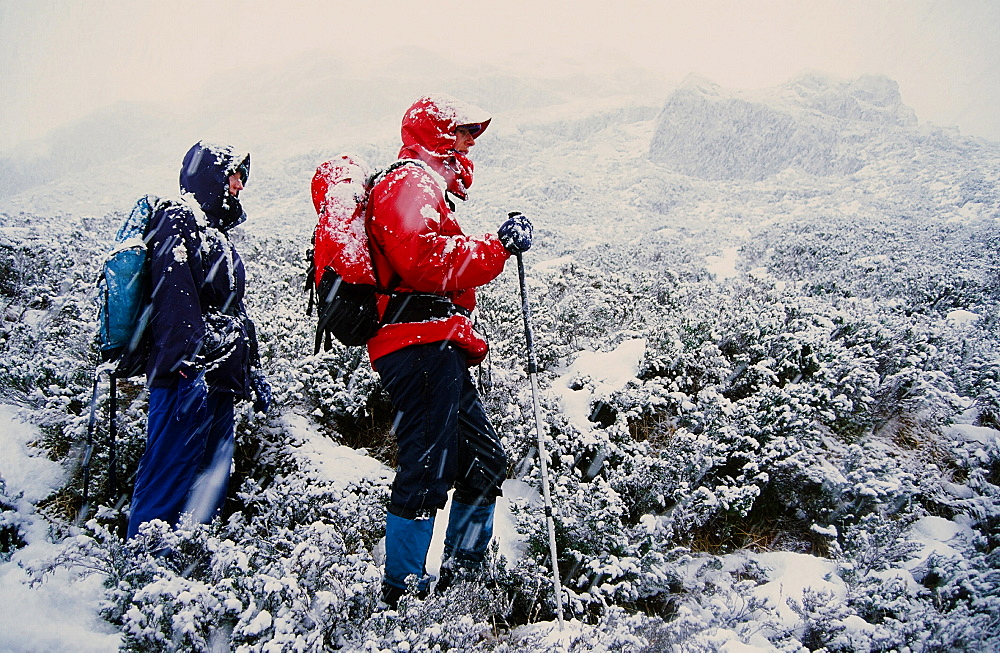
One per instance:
(261, 391)
(515, 233)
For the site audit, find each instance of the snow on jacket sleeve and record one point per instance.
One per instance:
(414, 229)
(176, 274)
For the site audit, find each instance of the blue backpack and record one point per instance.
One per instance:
(124, 295)
(123, 298)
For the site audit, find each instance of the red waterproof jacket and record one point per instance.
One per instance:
(418, 242)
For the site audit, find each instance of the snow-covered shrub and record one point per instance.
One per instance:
(461, 619)
(823, 619)
(615, 630)
(343, 394)
(12, 524)
(48, 362)
(944, 604)
(657, 475)
(985, 383)
(873, 483)
(932, 265)
(295, 576)
(876, 543)
(964, 596)
(169, 598)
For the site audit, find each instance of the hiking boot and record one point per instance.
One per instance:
(392, 594)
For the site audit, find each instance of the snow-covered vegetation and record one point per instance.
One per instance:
(767, 327)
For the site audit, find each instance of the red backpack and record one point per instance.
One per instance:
(340, 192)
(340, 279)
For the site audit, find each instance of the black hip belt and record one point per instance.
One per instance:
(420, 307)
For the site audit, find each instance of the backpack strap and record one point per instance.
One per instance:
(311, 274)
(385, 289)
(394, 279)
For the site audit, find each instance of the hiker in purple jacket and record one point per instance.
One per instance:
(203, 355)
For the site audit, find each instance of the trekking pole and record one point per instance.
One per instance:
(542, 455)
(112, 438)
(84, 508)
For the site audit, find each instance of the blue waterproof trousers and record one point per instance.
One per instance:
(445, 440)
(188, 456)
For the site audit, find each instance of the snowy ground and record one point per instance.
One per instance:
(61, 613)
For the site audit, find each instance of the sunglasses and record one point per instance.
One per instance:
(243, 170)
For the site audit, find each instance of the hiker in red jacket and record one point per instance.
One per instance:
(424, 350)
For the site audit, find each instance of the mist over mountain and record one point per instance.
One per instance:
(645, 141)
(315, 102)
(822, 126)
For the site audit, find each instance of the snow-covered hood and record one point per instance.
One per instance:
(428, 133)
(205, 175)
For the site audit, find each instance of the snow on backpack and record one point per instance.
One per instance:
(340, 278)
(124, 295)
(340, 274)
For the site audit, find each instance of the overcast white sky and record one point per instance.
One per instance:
(61, 59)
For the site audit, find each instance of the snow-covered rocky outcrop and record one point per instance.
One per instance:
(815, 123)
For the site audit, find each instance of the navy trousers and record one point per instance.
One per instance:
(188, 456)
(445, 440)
